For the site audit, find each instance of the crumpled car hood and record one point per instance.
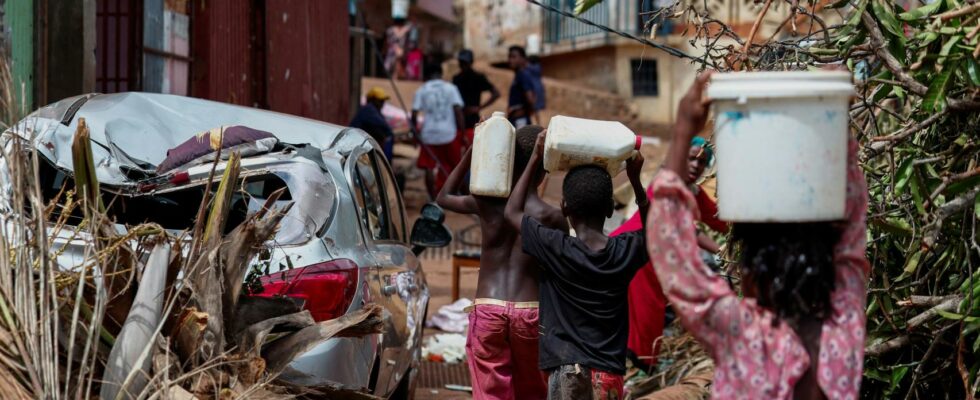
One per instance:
(135, 130)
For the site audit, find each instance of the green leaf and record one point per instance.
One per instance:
(902, 178)
(917, 194)
(897, 91)
(881, 93)
(876, 374)
(897, 375)
(935, 97)
(926, 38)
(962, 186)
(911, 264)
(886, 15)
(957, 317)
(854, 18)
(581, 6)
(894, 226)
(976, 205)
(921, 12)
(974, 71)
(947, 48)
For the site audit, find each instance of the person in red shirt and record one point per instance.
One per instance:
(647, 302)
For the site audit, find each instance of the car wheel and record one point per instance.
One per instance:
(406, 388)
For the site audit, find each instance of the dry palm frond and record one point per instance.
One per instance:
(74, 333)
(683, 367)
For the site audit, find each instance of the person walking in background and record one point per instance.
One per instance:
(442, 106)
(397, 38)
(472, 85)
(413, 61)
(370, 120)
(521, 100)
(534, 68)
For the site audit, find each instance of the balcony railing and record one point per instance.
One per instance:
(633, 16)
(558, 28)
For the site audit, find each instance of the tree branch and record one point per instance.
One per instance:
(948, 15)
(948, 209)
(893, 65)
(882, 143)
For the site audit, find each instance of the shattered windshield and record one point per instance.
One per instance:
(311, 191)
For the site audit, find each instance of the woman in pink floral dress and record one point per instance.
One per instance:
(799, 331)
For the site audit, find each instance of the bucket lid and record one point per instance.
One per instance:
(754, 85)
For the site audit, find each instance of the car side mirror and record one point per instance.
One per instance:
(429, 231)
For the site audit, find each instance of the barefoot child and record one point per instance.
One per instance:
(584, 280)
(502, 343)
(799, 331)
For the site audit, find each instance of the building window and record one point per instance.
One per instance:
(645, 82)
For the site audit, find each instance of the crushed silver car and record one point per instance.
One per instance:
(342, 244)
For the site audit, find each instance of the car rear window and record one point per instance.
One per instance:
(310, 190)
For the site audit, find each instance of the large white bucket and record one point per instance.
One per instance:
(781, 142)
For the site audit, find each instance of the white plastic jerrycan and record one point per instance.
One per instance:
(782, 145)
(492, 162)
(576, 141)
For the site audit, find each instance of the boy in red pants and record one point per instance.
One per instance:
(502, 343)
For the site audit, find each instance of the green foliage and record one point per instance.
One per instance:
(581, 6)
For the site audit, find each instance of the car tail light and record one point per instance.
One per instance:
(327, 288)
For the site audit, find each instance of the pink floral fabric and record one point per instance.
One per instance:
(753, 358)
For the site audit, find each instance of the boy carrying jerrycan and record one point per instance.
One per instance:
(583, 279)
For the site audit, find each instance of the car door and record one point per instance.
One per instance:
(382, 220)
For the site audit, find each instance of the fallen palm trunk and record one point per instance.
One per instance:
(129, 362)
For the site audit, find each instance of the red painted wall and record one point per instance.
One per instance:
(307, 59)
(291, 56)
(222, 51)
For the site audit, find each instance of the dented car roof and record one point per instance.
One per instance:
(133, 131)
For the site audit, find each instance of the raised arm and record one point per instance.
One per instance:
(514, 211)
(707, 306)
(633, 168)
(692, 113)
(463, 204)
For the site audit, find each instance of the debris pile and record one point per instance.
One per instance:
(683, 371)
(146, 314)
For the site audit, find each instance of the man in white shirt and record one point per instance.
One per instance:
(442, 106)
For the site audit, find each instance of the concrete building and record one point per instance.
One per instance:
(577, 53)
